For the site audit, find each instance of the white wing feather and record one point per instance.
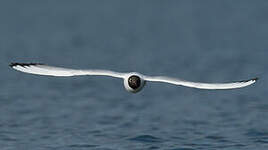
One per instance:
(232, 85)
(41, 69)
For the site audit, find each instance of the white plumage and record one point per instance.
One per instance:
(133, 81)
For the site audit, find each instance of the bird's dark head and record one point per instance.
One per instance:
(134, 82)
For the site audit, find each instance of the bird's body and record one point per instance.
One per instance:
(133, 81)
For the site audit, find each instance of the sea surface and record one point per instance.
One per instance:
(206, 41)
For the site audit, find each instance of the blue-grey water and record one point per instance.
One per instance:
(208, 40)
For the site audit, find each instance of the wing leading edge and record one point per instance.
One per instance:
(41, 69)
(199, 85)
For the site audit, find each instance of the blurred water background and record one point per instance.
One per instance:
(208, 40)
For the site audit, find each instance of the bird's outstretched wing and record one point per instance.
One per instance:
(41, 69)
(231, 85)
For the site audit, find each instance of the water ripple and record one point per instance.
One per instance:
(146, 139)
(258, 136)
(81, 146)
(216, 138)
(183, 149)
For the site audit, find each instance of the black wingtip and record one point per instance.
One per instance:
(13, 64)
(24, 64)
(255, 79)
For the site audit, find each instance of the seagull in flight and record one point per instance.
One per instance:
(133, 81)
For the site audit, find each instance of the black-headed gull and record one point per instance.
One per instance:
(133, 81)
